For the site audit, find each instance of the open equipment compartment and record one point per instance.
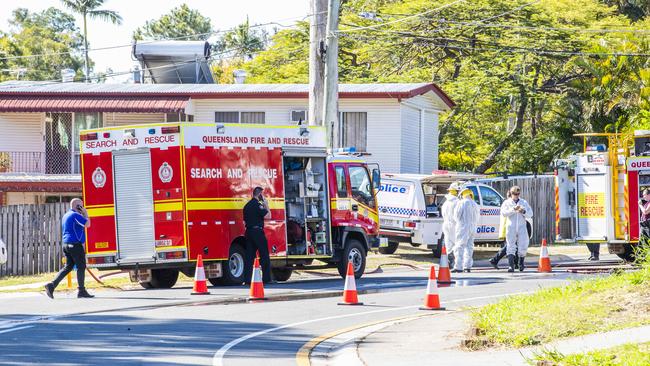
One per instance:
(306, 200)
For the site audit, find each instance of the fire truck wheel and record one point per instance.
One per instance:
(390, 249)
(233, 269)
(146, 284)
(628, 255)
(164, 278)
(353, 252)
(281, 274)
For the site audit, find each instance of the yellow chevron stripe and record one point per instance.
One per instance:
(229, 205)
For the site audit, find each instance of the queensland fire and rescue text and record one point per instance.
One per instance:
(255, 140)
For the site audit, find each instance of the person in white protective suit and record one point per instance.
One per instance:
(448, 221)
(466, 215)
(516, 210)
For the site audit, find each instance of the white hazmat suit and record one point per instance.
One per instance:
(516, 234)
(466, 215)
(448, 221)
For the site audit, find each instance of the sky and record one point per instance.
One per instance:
(224, 14)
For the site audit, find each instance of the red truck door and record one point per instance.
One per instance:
(363, 203)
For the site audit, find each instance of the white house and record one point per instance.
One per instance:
(40, 121)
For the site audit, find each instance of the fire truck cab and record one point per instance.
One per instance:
(161, 195)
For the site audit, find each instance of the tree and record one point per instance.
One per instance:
(90, 9)
(39, 45)
(243, 41)
(181, 23)
(524, 74)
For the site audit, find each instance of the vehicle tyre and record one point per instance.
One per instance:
(353, 252)
(281, 274)
(437, 250)
(390, 249)
(233, 268)
(415, 245)
(628, 255)
(146, 284)
(164, 278)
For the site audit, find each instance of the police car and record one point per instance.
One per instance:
(409, 209)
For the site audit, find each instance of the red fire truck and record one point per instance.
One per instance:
(160, 195)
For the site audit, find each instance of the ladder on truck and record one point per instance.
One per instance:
(619, 150)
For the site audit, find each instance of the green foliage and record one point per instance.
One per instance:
(243, 41)
(524, 76)
(51, 32)
(181, 22)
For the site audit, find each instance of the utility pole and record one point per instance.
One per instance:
(316, 63)
(331, 108)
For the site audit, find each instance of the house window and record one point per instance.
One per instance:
(299, 116)
(252, 117)
(353, 131)
(83, 121)
(239, 117)
(179, 117)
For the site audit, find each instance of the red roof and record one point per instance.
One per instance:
(134, 104)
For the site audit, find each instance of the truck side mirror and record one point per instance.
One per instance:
(376, 178)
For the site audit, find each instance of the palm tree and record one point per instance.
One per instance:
(244, 41)
(89, 9)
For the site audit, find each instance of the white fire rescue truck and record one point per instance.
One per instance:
(603, 185)
(160, 195)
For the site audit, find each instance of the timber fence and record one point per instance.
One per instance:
(32, 234)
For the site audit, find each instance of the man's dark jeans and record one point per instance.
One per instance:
(256, 242)
(74, 255)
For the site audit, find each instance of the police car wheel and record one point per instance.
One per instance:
(390, 249)
(164, 278)
(146, 284)
(353, 252)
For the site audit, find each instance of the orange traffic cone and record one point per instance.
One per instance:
(444, 276)
(544, 260)
(431, 299)
(350, 289)
(257, 286)
(200, 286)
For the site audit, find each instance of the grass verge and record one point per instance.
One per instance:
(589, 306)
(625, 355)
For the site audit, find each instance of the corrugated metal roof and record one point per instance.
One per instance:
(54, 103)
(197, 91)
(50, 87)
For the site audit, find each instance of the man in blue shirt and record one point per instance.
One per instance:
(73, 226)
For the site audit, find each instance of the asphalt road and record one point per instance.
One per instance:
(170, 327)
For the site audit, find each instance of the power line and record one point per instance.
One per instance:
(356, 29)
(277, 22)
(510, 26)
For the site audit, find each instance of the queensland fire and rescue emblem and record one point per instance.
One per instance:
(165, 173)
(99, 178)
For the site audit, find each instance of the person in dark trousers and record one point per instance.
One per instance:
(254, 213)
(73, 226)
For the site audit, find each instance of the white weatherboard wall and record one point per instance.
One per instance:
(21, 132)
(120, 119)
(383, 120)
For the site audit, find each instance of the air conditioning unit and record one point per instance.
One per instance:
(299, 116)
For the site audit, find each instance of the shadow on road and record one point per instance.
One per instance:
(126, 340)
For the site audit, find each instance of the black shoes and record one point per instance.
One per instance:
(495, 263)
(49, 290)
(593, 258)
(83, 294)
(521, 264)
(467, 270)
(456, 270)
(511, 263)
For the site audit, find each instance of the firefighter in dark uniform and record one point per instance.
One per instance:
(254, 213)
